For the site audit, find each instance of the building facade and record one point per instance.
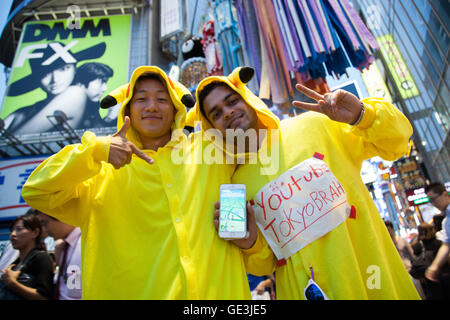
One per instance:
(414, 55)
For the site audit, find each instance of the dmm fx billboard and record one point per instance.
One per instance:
(398, 67)
(58, 67)
(13, 175)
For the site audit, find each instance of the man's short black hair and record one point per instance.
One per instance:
(151, 76)
(437, 221)
(36, 212)
(436, 187)
(206, 91)
(388, 224)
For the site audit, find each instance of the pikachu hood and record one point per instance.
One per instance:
(237, 81)
(180, 95)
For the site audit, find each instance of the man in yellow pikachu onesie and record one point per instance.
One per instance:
(147, 231)
(311, 206)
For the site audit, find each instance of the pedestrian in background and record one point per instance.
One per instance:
(262, 287)
(403, 247)
(439, 197)
(425, 251)
(30, 276)
(67, 257)
(406, 252)
(437, 223)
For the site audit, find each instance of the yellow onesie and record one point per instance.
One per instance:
(322, 222)
(147, 230)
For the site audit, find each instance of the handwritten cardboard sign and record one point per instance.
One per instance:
(300, 206)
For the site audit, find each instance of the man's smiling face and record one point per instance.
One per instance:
(151, 109)
(226, 109)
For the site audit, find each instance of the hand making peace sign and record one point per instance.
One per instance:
(339, 105)
(121, 149)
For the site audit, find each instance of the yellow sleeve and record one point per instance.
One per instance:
(259, 260)
(59, 185)
(384, 131)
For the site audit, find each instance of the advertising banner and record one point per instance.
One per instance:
(399, 69)
(59, 66)
(375, 83)
(13, 174)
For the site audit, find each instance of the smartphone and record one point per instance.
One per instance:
(233, 212)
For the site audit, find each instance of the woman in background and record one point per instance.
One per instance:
(30, 276)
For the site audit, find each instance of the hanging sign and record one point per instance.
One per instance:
(171, 18)
(300, 206)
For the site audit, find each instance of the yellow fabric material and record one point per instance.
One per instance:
(356, 260)
(147, 230)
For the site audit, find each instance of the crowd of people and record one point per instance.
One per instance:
(311, 220)
(426, 258)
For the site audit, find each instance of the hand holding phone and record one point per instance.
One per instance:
(251, 233)
(233, 214)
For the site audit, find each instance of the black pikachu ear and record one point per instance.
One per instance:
(108, 102)
(246, 74)
(188, 100)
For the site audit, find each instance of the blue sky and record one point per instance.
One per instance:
(5, 5)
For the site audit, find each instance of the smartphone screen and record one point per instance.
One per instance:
(233, 214)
